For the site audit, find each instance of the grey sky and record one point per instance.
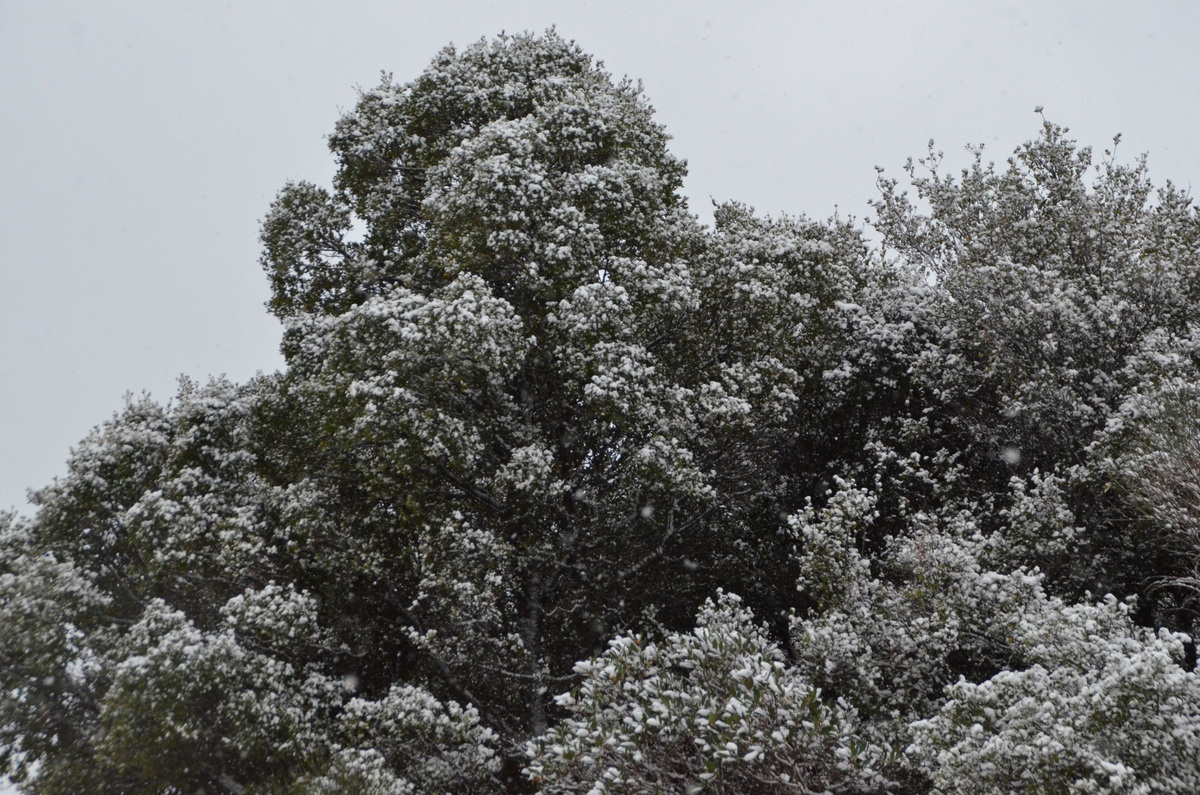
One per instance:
(140, 143)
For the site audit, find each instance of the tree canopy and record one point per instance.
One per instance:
(561, 491)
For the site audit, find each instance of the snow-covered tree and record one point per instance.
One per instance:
(529, 403)
(534, 414)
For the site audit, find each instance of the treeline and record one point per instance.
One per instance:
(561, 491)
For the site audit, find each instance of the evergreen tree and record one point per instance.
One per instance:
(531, 405)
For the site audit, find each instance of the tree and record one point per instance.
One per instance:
(533, 404)
(530, 405)
(1057, 298)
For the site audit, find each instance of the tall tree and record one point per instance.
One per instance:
(528, 403)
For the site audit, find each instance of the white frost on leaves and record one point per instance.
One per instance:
(715, 703)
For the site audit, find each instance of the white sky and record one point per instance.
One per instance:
(140, 144)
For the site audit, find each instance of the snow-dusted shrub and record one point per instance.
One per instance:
(409, 742)
(713, 710)
(231, 693)
(889, 631)
(1100, 706)
(994, 684)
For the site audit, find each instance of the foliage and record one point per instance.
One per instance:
(1056, 299)
(533, 413)
(1149, 449)
(714, 709)
(1101, 707)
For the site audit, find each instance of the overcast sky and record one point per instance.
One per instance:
(140, 144)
